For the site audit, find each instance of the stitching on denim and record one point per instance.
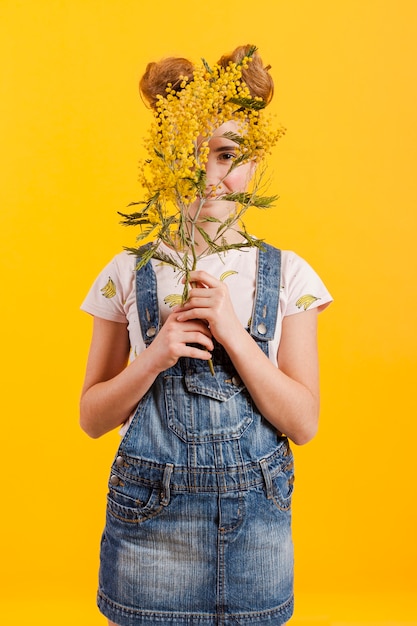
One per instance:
(280, 611)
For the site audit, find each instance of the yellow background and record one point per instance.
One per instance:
(71, 124)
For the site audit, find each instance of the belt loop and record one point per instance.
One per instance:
(166, 491)
(267, 478)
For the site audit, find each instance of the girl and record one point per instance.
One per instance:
(198, 527)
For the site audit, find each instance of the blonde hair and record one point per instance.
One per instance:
(174, 70)
(256, 76)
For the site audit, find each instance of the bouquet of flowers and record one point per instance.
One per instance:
(174, 174)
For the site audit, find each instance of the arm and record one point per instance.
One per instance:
(111, 390)
(289, 396)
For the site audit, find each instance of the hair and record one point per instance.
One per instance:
(173, 70)
(256, 76)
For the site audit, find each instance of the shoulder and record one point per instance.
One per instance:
(292, 263)
(112, 288)
(293, 266)
(301, 286)
(124, 263)
(120, 274)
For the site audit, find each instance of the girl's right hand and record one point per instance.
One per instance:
(180, 339)
(111, 390)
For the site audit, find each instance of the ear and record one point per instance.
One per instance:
(253, 166)
(252, 170)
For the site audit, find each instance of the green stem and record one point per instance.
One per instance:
(195, 259)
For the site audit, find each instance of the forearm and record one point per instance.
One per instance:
(107, 404)
(112, 390)
(288, 404)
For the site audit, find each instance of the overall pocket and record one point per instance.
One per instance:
(133, 503)
(283, 484)
(205, 408)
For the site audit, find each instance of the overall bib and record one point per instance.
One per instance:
(198, 528)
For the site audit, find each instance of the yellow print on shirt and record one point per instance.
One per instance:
(109, 289)
(175, 299)
(306, 301)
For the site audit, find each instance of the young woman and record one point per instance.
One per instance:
(198, 524)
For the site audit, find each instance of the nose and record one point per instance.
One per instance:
(214, 177)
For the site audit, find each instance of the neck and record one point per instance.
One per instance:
(201, 248)
(222, 213)
(229, 236)
(208, 216)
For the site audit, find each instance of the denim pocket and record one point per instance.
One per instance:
(125, 508)
(202, 408)
(283, 485)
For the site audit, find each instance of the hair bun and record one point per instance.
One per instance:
(256, 76)
(158, 75)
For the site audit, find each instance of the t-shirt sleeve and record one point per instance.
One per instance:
(108, 294)
(301, 287)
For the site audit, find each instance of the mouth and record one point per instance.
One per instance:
(214, 191)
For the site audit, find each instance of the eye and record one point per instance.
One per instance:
(227, 156)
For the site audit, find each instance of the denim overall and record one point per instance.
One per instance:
(198, 528)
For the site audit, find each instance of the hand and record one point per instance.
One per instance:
(172, 342)
(209, 300)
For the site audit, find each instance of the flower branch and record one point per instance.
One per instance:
(174, 176)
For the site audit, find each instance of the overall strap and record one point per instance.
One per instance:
(147, 302)
(265, 311)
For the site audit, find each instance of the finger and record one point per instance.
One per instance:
(196, 303)
(201, 293)
(193, 324)
(204, 278)
(196, 353)
(194, 313)
(201, 337)
(201, 297)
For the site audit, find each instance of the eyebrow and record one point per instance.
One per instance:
(224, 148)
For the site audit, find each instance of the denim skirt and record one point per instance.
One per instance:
(178, 551)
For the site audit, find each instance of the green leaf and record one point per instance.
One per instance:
(169, 260)
(200, 181)
(243, 197)
(225, 224)
(243, 158)
(211, 219)
(263, 202)
(207, 66)
(136, 203)
(160, 155)
(152, 200)
(145, 233)
(133, 216)
(234, 137)
(209, 241)
(165, 228)
(248, 199)
(248, 103)
(134, 221)
(251, 240)
(249, 53)
(144, 254)
(139, 217)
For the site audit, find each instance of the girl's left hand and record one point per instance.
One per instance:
(209, 300)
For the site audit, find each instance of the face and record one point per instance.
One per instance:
(222, 153)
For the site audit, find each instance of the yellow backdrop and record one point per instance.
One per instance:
(71, 128)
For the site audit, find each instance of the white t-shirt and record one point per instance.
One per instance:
(113, 294)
